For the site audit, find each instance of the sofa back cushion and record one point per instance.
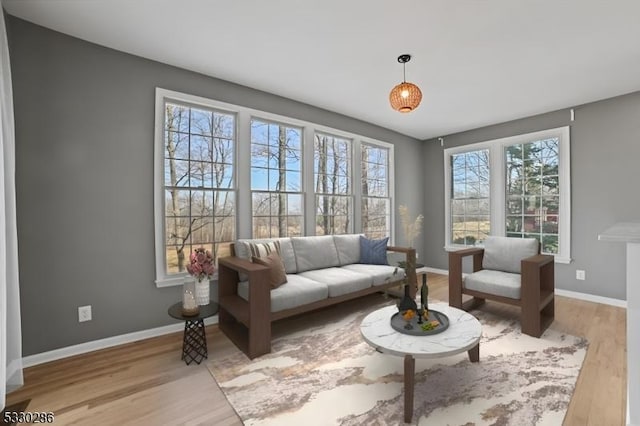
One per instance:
(242, 249)
(315, 252)
(373, 252)
(505, 253)
(348, 247)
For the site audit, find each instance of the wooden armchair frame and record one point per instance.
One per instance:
(536, 292)
(248, 323)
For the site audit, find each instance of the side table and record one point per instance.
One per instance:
(194, 342)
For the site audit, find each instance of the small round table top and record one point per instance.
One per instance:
(463, 334)
(206, 311)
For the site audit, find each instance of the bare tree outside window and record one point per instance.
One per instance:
(470, 209)
(332, 177)
(276, 179)
(376, 204)
(198, 182)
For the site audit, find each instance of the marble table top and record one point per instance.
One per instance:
(464, 333)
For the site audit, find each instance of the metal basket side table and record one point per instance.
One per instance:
(194, 341)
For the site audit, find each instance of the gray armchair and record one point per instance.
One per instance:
(507, 270)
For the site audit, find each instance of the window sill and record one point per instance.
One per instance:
(176, 281)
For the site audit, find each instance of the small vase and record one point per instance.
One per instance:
(202, 292)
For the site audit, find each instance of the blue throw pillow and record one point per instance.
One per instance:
(373, 252)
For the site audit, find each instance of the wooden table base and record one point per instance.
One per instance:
(409, 379)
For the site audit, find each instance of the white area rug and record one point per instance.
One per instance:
(325, 374)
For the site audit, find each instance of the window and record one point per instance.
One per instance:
(517, 186)
(276, 179)
(470, 197)
(224, 172)
(198, 152)
(532, 191)
(376, 202)
(332, 183)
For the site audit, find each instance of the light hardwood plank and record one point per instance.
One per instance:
(146, 382)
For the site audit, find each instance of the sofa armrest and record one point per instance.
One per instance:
(228, 269)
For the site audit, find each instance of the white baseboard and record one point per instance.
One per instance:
(592, 298)
(95, 345)
(108, 342)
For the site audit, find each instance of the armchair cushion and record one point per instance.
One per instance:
(505, 254)
(494, 282)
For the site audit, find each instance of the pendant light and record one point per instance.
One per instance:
(405, 97)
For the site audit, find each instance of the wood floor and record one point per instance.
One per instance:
(146, 383)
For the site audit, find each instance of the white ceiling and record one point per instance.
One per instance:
(478, 62)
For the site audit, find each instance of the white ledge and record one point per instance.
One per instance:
(624, 232)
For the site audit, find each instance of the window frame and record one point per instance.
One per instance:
(163, 277)
(285, 192)
(497, 194)
(390, 185)
(349, 177)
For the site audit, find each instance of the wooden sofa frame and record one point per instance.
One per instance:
(248, 323)
(536, 291)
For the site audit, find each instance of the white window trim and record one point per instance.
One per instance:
(163, 96)
(497, 193)
(242, 171)
(391, 184)
(281, 121)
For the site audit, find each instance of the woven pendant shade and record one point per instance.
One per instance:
(405, 97)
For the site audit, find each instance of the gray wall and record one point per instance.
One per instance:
(605, 149)
(84, 148)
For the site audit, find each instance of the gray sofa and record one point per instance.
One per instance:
(320, 271)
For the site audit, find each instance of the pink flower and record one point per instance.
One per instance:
(201, 264)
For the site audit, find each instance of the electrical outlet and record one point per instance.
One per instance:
(580, 274)
(84, 313)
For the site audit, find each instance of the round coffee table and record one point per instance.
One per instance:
(463, 334)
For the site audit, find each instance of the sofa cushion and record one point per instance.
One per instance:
(314, 252)
(381, 274)
(373, 252)
(277, 275)
(241, 248)
(348, 247)
(494, 282)
(505, 253)
(339, 280)
(297, 291)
